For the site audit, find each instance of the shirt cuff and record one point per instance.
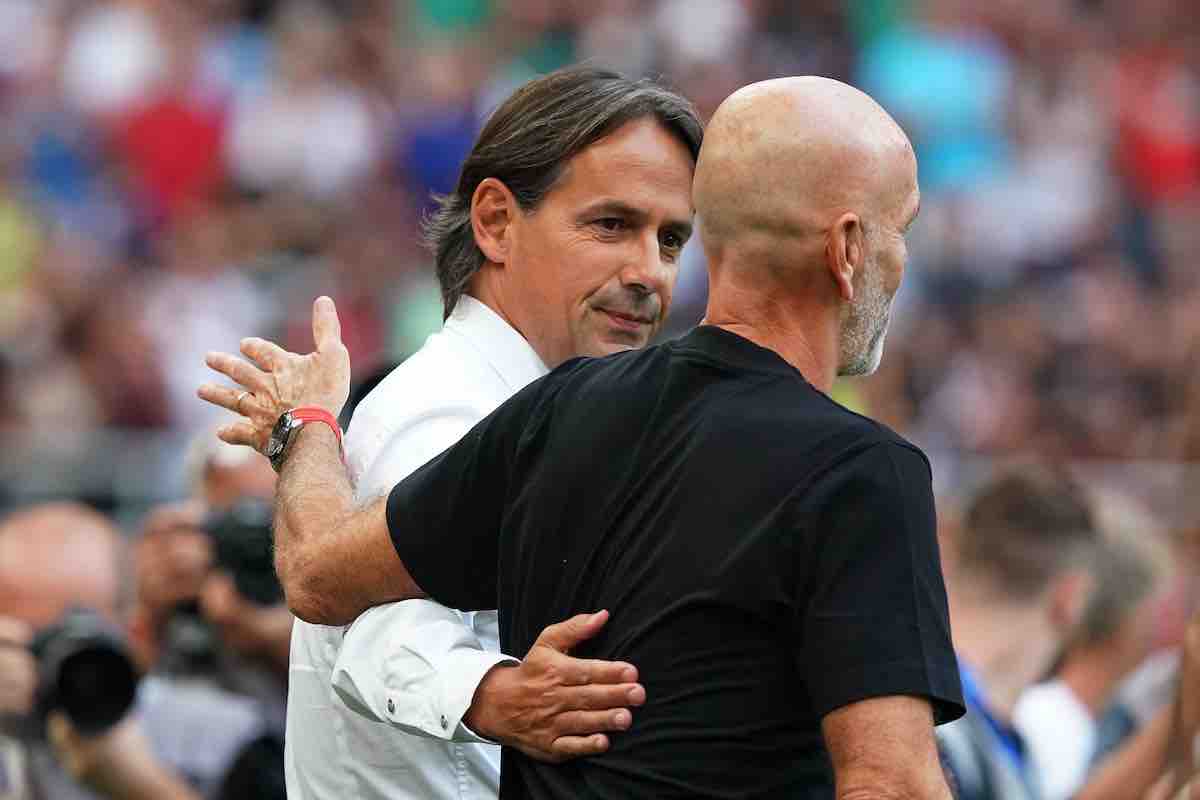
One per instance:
(459, 679)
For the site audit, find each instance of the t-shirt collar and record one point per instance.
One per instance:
(501, 345)
(738, 350)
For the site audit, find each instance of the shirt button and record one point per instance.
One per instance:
(443, 722)
(391, 706)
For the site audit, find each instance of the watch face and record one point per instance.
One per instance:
(277, 444)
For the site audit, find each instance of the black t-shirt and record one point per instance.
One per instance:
(767, 557)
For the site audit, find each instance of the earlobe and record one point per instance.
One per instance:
(492, 207)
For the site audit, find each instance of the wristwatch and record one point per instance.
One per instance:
(289, 422)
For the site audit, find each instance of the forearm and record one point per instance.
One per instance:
(334, 560)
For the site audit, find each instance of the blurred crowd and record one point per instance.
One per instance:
(176, 175)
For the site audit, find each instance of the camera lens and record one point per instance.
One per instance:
(96, 686)
(84, 670)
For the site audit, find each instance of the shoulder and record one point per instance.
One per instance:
(443, 380)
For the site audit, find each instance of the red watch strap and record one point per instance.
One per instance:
(317, 414)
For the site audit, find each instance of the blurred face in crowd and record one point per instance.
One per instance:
(55, 557)
(865, 318)
(590, 270)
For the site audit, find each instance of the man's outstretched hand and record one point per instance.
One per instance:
(277, 381)
(554, 707)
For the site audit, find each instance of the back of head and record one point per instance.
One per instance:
(54, 557)
(782, 159)
(1130, 562)
(527, 143)
(1022, 530)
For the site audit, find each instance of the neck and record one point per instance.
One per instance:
(804, 334)
(485, 289)
(1006, 664)
(1091, 675)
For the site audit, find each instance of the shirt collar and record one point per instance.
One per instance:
(500, 344)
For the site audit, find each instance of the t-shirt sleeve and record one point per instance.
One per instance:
(445, 518)
(871, 614)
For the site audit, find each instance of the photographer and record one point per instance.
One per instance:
(54, 558)
(174, 559)
(210, 627)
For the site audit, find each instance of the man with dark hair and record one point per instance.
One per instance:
(769, 558)
(1019, 579)
(561, 239)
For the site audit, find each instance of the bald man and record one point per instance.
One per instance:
(769, 558)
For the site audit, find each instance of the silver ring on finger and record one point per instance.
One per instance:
(238, 404)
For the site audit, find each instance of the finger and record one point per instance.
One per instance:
(601, 698)
(239, 433)
(239, 371)
(565, 635)
(580, 671)
(65, 742)
(14, 631)
(586, 723)
(327, 329)
(217, 598)
(267, 355)
(576, 746)
(235, 400)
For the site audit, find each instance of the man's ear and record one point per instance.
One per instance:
(845, 252)
(493, 209)
(1069, 596)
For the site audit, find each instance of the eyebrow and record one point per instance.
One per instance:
(681, 227)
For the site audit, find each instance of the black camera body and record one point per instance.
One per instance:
(243, 546)
(85, 669)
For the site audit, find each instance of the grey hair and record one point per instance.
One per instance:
(527, 143)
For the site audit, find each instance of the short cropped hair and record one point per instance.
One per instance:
(528, 141)
(1026, 527)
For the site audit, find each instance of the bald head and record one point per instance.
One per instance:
(804, 189)
(785, 157)
(56, 556)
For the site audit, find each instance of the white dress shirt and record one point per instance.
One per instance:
(1061, 735)
(375, 709)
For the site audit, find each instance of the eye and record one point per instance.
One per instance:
(672, 241)
(611, 224)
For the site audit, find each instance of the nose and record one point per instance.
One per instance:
(647, 272)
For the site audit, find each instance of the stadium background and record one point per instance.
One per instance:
(175, 175)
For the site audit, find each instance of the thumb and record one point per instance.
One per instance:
(327, 330)
(568, 634)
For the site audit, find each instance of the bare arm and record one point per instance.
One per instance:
(334, 560)
(884, 749)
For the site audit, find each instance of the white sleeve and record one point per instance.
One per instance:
(415, 664)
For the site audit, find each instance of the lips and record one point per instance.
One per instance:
(627, 321)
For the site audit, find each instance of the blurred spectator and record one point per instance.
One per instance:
(306, 128)
(1018, 582)
(1058, 719)
(54, 558)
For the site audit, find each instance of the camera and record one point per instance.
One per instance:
(84, 669)
(242, 546)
